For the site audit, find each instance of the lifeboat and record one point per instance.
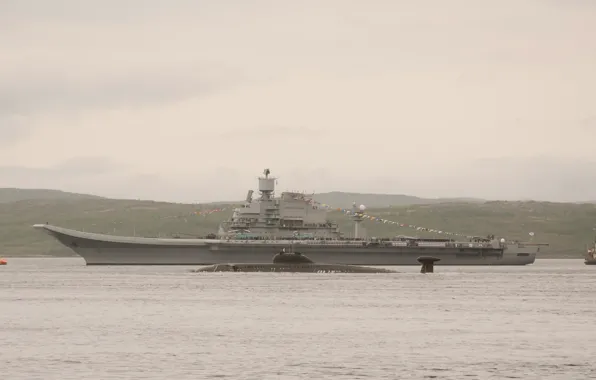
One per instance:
(3, 262)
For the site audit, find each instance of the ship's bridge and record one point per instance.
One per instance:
(270, 216)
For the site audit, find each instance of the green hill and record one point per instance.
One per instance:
(567, 227)
(336, 198)
(345, 200)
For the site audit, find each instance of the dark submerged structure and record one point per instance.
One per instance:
(296, 262)
(293, 262)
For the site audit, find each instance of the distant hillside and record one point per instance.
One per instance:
(14, 195)
(335, 198)
(567, 227)
(345, 200)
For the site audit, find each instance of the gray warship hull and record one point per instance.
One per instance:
(100, 249)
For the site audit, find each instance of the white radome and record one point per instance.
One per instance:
(362, 207)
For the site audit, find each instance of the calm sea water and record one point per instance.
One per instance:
(62, 320)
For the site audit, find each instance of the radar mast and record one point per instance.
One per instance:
(357, 217)
(266, 185)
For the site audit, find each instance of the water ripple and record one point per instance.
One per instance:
(62, 320)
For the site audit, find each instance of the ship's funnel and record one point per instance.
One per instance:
(428, 263)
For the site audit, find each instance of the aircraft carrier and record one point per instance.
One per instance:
(264, 226)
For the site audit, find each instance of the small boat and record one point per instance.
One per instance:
(590, 258)
(3, 262)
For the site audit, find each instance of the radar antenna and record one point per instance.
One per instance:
(266, 185)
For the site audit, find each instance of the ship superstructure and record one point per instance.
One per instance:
(293, 215)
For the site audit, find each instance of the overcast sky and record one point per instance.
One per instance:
(191, 100)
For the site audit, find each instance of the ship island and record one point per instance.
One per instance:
(262, 227)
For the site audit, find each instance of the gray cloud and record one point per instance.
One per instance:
(87, 166)
(66, 55)
(538, 178)
(66, 172)
(192, 99)
(106, 177)
(566, 4)
(44, 90)
(13, 128)
(93, 175)
(589, 124)
(116, 11)
(547, 178)
(273, 132)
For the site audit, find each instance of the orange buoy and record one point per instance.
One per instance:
(3, 262)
